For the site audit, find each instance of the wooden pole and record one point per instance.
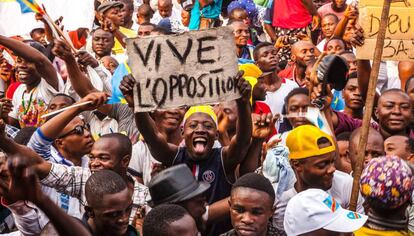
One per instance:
(369, 104)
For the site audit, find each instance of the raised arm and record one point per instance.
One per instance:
(54, 126)
(80, 82)
(160, 149)
(262, 128)
(11, 148)
(42, 63)
(24, 186)
(237, 150)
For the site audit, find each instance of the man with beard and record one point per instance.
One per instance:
(336, 7)
(39, 83)
(265, 55)
(312, 156)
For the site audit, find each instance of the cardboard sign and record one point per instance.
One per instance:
(399, 39)
(193, 68)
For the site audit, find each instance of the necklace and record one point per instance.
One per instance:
(26, 109)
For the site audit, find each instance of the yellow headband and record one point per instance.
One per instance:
(206, 109)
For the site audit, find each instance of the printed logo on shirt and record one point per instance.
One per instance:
(208, 176)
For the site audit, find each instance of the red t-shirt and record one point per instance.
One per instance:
(290, 14)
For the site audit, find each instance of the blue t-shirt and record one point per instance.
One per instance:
(211, 11)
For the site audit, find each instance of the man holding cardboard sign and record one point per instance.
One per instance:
(215, 165)
(189, 69)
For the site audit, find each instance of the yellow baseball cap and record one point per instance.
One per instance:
(303, 142)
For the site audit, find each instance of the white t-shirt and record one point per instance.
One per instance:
(276, 99)
(28, 107)
(142, 161)
(341, 190)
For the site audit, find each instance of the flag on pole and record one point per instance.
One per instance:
(28, 6)
(318, 119)
(119, 73)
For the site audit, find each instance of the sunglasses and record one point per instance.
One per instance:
(78, 130)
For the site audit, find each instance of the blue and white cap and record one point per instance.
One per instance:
(315, 209)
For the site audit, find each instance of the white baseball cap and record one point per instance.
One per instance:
(315, 209)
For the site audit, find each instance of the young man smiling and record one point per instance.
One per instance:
(213, 165)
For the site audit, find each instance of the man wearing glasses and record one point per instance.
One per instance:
(65, 131)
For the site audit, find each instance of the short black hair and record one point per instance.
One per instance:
(101, 183)
(344, 136)
(258, 47)
(337, 38)
(157, 221)
(24, 135)
(332, 15)
(295, 92)
(256, 182)
(40, 30)
(123, 142)
(99, 28)
(66, 96)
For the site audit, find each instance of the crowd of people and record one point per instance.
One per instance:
(258, 165)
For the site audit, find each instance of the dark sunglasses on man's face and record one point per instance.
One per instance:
(78, 130)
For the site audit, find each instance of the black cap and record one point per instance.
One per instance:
(108, 5)
(175, 184)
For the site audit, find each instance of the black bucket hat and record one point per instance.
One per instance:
(175, 184)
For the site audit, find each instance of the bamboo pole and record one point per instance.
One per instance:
(369, 104)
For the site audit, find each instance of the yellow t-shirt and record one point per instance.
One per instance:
(129, 33)
(364, 231)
